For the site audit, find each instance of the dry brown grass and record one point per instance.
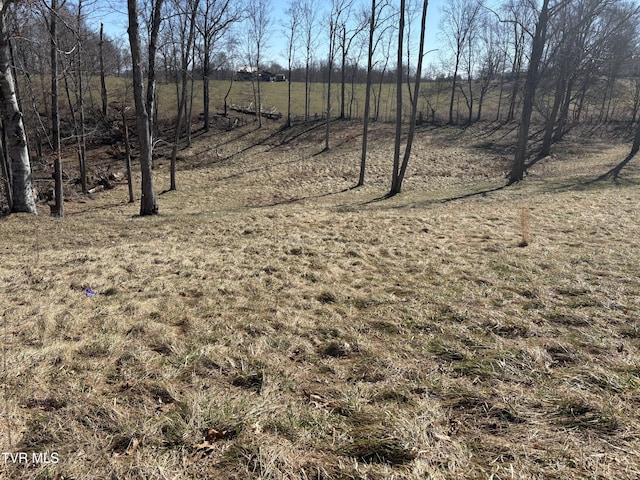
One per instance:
(272, 323)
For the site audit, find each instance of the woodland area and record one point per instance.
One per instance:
(554, 63)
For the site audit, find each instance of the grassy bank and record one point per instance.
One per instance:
(273, 323)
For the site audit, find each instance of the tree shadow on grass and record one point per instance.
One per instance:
(480, 193)
(290, 201)
(614, 174)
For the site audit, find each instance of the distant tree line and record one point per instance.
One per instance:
(555, 62)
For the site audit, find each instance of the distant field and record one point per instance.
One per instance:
(273, 323)
(274, 94)
(434, 95)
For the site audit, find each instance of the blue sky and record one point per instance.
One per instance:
(113, 15)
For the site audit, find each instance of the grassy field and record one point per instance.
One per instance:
(274, 95)
(273, 323)
(433, 94)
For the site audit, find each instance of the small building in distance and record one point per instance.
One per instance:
(248, 73)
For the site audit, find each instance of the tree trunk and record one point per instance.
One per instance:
(58, 210)
(189, 126)
(206, 71)
(182, 104)
(326, 133)
(226, 96)
(103, 84)
(152, 96)
(636, 141)
(564, 112)
(148, 203)
(6, 172)
(453, 87)
(470, 84)
(515, 71)
(367, 96)
(343, 71)
(500, 98)
(127, 158)
(551, 121)
(82, 144)
(17, 152)
(414, 105)
(258, 98)
(395, 186)
(292, 33)
(539, 38)
(332, 41)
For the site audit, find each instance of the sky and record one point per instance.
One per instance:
(113, 14)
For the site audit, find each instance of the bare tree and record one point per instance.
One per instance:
(259, 23)
(619, 45)
(636, 141)
(399, 170)
(187, 28)
(21, 197)
(346, 39)
(153, 28)
(520, 17)
(215, 19)
(308, 12)
(291, 26)
(459, 22)
(103, 83)
(367, 99)
(80, 129)
(374, 23)
(387, 42)
(537, 48)
(339, 8)
(148, 204)
(58, 209)
(493, 54)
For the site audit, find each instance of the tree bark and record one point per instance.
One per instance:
(182, 104)
(395, 187)
(6, 172)
(343, 70)
(148, 202)
(367, 96)
(414, 107)
(564, 112)
(152, 97)
(414, 102)
(547, 139)
(103, 83)
(537, 48)
(58, 210)
(453, 87)
(127, 158)
(82, 143)
(636, 141)
(21, 179)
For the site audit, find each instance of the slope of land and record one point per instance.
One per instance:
(274, 323)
